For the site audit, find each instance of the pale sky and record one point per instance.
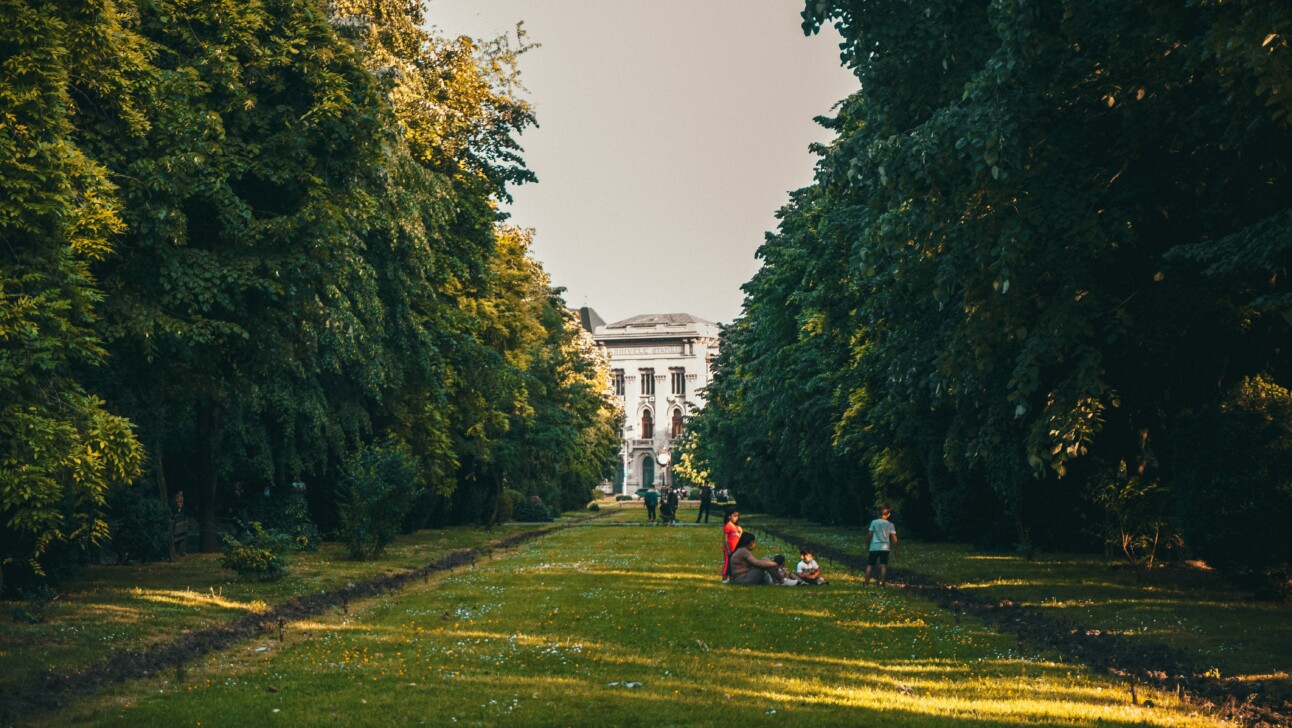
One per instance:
(670, 132)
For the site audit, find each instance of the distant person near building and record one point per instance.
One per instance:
(652, 499)
(706, 502)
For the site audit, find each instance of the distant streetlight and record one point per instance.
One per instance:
(664, 458)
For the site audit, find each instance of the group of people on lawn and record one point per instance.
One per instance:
(741, 566)
(667, 502)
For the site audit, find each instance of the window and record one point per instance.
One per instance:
(677, 423)
(648, 382)
(648, 471)
(678, 375)
(648, 425)
(617, 381)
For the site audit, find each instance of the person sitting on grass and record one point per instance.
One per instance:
(780, 575)
(746, 568)
(807, 570)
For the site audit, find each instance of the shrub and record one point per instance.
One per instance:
(622, 498)
(33, 604)
(1233, 484)
(507, 503)
(379, 489)
(140, 525)
(529, 512)
(595, 507)
(291, 515)
(256, 552)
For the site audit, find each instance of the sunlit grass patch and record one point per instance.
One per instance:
(115, 608)
(588, 627)
(1201, 615)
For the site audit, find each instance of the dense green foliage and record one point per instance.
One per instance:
(61, 448)
(1046, 239)
(255, 552)
(140, 525)
(265, 236)
(380, 486)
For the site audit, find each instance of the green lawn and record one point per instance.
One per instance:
(115, 608)
(628, 625)
(1196, 612)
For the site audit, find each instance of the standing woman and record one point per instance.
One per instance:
(731, 532)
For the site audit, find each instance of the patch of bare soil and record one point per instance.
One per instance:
(1131, 660)
(55, 691)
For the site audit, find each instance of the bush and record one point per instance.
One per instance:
(256, 552)
(1233, 485)
(33, 604)
(291, 515)
(529, 512)
(594, 507)
(507, 503)
(379, 489)
(139, 524)
(622, 498)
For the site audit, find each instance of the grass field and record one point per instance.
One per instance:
(628, 625)
(1225, 630)
(117, 608)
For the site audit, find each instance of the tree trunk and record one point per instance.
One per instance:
(160, 467)
(207, 479)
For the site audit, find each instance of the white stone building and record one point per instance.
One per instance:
(660, 364)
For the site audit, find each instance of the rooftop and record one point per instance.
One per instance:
(659, 319)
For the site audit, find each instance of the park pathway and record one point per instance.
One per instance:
(628, 626)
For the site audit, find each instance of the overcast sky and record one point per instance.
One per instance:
(670, 133)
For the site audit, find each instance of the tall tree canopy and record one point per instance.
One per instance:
(60, 447)
(267, 234)
(1065, 229)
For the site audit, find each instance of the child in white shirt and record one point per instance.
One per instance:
(807, 570)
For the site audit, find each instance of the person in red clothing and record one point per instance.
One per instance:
(731, 532)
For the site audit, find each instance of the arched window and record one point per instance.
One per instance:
(648, 425)
(677, 423)
(648, 471)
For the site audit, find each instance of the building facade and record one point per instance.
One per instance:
(660, 365)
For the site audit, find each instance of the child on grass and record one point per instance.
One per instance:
(779, 575)
(883, 541)
(808, 571)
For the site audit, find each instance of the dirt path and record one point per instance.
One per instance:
(1132, 660)
(56, 691)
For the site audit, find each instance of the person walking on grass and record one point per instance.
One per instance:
(883, 540)
(652, 500)
(706, 502)
(731, 533)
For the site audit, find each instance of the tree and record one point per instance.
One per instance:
(242, 315)
(1027, 170)
(60, 447)
(1044, 237)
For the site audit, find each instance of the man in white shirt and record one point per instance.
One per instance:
(883, 541)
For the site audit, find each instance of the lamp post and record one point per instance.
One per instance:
(664, 458)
